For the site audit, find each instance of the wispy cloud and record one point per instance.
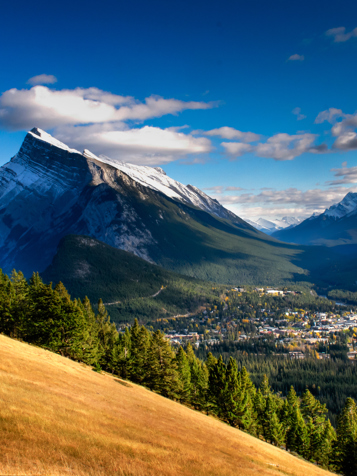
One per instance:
(297, 112)
(220, 189)
(231, 134)
(344, 129)
(237, 149)
(296, 57)
(278, 147)
(48, 108)
(42, 79)
(344, 175)
(339, 34)
(291, 201)
(146, 145)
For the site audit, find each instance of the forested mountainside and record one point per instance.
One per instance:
(129, 286)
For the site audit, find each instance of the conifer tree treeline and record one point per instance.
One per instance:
(48, 317)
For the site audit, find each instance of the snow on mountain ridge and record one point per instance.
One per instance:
(156, 179)
(270, 226)
(42, 135)
(152, 177)
(347, 206)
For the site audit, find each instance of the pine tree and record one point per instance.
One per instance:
(272, 429)
(20, 306)
(297, 438)
(91, 350)
(317, 426)
(184, 370)
(247, 395)
(122, 354)
(56, 321)
(211, 361)
(259, 404)
(265, 388)
(161, 368)
(232, 410)
(108, 337)
(276, 431)
(346, 446)
(216, 387)
(199, 380)
(7, 324)
(140, 341)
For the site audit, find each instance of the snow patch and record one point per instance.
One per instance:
(45, 137)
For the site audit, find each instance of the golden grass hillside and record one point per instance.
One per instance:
(58, 417)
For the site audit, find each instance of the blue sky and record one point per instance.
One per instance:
(180, 84)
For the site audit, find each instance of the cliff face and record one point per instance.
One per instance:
(48, 191)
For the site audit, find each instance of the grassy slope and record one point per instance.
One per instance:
(89, 267)
(58, 417)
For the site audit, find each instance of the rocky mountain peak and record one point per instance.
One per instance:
(347, 206)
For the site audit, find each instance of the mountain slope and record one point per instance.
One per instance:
(336, 226)
(156, 179)
(59, 417)
(129, 286)
(48, 191)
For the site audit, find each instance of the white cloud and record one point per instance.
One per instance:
(296, 57)
(220, 189)
(237, 149)
(231, 134)
(291, 201)
(310, 199)
(46, 108)
(42, 79)
(278, 147)
(147, 145)
(344, 130)
(339, 34)
(285, 147)
(297, 112)
(330, 115)
(344, 175)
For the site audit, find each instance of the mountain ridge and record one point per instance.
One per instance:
(271, 226)
(49, 191)
(336, 226)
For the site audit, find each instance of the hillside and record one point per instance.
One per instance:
(59, 417)
(129, 286)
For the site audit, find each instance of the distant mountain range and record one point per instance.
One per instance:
(49, 191)
(270, 226)
(337, 226)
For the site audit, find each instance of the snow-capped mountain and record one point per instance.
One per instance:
(49, 190)
(337, 225)
(156, 179)
(270, 226)
(346, 207)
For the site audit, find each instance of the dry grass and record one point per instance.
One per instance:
(58, 417)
